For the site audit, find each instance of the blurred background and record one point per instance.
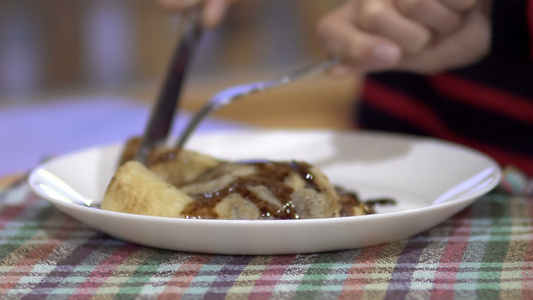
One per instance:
(59, 48)
(75, 74)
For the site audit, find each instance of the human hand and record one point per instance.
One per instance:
(213, 12)
(423, 36)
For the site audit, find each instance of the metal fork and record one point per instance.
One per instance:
(229, 95)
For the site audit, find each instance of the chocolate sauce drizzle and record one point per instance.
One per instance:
(270, 175)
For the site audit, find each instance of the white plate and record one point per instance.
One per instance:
(430, 179)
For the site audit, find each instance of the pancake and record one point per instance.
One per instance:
(186, 184)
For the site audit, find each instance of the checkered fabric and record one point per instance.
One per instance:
(484, 252)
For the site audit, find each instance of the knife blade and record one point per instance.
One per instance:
(167, 103)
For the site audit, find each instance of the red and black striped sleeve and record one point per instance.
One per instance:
(487, 106)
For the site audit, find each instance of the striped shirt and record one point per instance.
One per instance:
(487, 106)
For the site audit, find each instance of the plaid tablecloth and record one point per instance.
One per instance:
(484, 252)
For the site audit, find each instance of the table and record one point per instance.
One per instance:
(483, 252)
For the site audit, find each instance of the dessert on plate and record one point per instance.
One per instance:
(186, 184)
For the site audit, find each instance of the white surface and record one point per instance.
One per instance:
(30, 133)
(430, 179)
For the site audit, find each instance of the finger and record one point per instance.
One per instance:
(431, 14)
(460, 5)
(381, 18)
(469, 45)
(359, 49)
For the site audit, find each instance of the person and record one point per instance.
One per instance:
(459, 70)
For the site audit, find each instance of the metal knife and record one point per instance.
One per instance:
(167, 104)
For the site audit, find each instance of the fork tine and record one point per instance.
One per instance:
(228, 95)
